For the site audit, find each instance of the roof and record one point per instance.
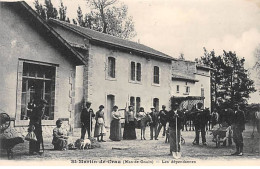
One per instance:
(96, 36)
(73, 54)
(183, 77)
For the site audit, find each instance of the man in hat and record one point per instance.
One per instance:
(200, 121)
(153, 124)
(238, 127)
(162, 119)
(36, 123)
(171, 119)
(86, 120)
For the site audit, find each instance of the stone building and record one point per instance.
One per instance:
(68, 65)
(36, 62)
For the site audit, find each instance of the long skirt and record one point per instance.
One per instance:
(129, 131)
(60, 143)
(115, 130)
(99, 130)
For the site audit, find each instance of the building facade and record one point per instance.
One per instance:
(36, 63)
(68, 65)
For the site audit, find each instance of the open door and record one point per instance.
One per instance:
(110, 104)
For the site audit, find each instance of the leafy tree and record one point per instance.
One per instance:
(39, 9)
(230, 81)
(51, 11)
(108, 17)
(80, 18)
(47, 10)
(62, 12)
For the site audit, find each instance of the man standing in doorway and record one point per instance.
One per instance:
(86, 120)
(238, 127)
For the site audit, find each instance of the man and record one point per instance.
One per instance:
(200, 121)
(162, 119)
(35, 125)
(238, 126)
(86, 120)
(153, 124)
(171, 118)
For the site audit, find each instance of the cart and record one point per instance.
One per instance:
(8, 137)
(221, 134)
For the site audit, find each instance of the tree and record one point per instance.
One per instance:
(181, 57)
(51, 11)
(62, 12)
(80, 17)
(230, 81)
(108, 17)
(47, 10)
(39, 9)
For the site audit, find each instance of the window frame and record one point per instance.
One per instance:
(18, 121)
(107, 68)
(134, 71)
(153, 75)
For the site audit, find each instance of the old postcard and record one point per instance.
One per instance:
(130, 83)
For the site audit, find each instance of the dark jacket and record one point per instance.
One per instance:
(172, 120)
(85, 115)
(201, 117)
(163, 117)
(154, 117)
(239, 119)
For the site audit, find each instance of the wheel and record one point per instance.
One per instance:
(4, 121)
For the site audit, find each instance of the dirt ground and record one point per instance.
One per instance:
(144, 151)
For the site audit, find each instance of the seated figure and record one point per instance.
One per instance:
(60, 138)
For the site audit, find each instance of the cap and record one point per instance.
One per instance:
(152, 108)
(101, 107)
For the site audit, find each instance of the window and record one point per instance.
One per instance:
(138, 103)
(187, 90)
(132, 101)
(133, 71)
(177, 88)
(38, 82)
(138, 72)
(156, 75)
(111, 67)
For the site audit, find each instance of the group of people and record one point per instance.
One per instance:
(156, 120)
(171, 121)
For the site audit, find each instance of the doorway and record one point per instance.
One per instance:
(110, 104)
(156, 104)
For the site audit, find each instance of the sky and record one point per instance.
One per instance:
(186, 26)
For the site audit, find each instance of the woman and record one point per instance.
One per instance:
(143, 118)
(100, 124)
(129, 129)
(60, 138)
(115, 127)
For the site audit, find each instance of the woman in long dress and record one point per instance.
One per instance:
(100, 124)
(129, 129)
(115, 127)
(60, 138)
(143, 118)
